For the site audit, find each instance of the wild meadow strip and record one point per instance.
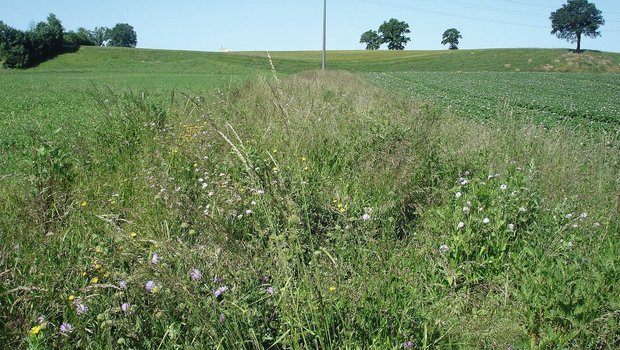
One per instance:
(315, 211)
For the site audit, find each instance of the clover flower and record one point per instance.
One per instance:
(486, 221)
(460, 225)
(503, 187)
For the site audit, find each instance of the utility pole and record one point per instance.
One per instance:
(324, 32)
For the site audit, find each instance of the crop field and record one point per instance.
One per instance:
(576, 98)
(157, 199)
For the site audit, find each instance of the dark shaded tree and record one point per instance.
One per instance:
(575, 19)
(393, 33)
(20, 49)
(372, 39)
(122, 35)
(15, 47)
(81, 37)
(451, 36)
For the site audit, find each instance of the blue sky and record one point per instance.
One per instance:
(274, 25)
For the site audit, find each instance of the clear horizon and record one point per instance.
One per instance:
(279, 25)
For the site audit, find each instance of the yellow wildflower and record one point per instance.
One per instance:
(83, 204)
(35, 330)
(71, 297)
(332, 289)
(133, 235)
(94, 280)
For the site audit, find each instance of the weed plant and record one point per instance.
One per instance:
(312, 212)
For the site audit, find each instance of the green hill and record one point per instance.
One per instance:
(137, 62)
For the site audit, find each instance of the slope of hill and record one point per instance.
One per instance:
(93, 60)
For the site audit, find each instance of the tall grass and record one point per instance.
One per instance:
(311, 212)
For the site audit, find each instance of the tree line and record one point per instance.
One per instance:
(574, 20)
(23, 49)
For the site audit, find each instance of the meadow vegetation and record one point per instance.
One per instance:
(315, 210)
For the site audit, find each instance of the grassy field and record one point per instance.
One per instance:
(185, 200)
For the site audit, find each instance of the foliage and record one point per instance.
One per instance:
(372, 39)
(81, 37)
(20, 49)
(451, 36)
(393, 33)
(122, 35)
(99, 36)
(575, 19)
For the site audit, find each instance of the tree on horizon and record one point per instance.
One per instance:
(575, 19)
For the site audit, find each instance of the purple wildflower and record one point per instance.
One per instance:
(125, 307)
(195, 274)
(66, 328)
(80, 308)
(122, 284)
(154, 258)
(221, 290)
(264, 279)
(408, 345)
(150, 285)
(366, 217)
(270, 290)
(217, 279)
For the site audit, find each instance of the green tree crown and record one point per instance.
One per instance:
(393, 33)
(575, 19)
